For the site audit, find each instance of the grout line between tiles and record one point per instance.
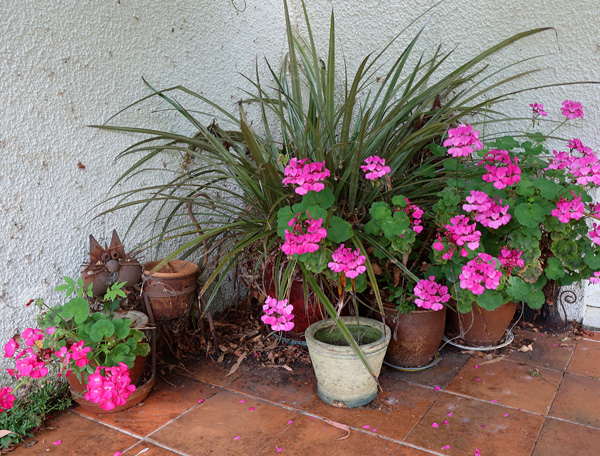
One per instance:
(131, 434)
(597, 428)
(421, 418)
(492, 403)
(158, 444)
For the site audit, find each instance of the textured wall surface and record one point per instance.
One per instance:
(66, 65)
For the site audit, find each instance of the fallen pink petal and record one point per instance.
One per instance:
(493, 401)
(476, 366)
(58, 442)
(437, 388)
(251, 408)
(200, 401)
(434, 425)
(483, 426)
(555, 345)
(366, 426)
(279, 450)
(118, 453)
(374, 430)
(478, 379)
(446, 422)
(290, 422)
(242, 401)
(447, 447)
(450, 414)
(506, 414)
(237, 437)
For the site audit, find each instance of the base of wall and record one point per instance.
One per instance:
(591, 318)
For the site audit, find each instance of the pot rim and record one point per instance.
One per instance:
(183, 269)
(366, 348)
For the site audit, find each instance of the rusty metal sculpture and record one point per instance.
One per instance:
(109, 265)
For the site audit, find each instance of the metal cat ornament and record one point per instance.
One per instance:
(109, 265)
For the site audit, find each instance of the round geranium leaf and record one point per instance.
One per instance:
(554, 270)
(338, 230)
(76, 308)
(530, 215)
(101, 329)
(490, 300)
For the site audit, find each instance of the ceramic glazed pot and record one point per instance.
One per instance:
(416, 336)
(342, 378)
(482, 327)
(172, 289)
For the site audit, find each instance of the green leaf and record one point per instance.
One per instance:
(100, 329)
(76, 308)
(338, 230)
(554, 270)
(324, 198)
(548, 189)
(593, 261)
(317, 212)
(451, 164)
(440, 151)
(380, 211)
(122, 327)
(530, 215)
(284, 215)
(399, 200)
(525, 187)
(506, 143)
(490, 299)
(518, 289)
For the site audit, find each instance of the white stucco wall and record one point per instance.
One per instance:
(67, 64)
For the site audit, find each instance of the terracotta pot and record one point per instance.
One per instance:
(342, 378)
(416, 336)
(172, 289)
(482, 327)
(305, 314)
(135, 373)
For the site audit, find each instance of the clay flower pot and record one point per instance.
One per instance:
(172, 289)
(481, 327)
(416, 336)
(343, 380)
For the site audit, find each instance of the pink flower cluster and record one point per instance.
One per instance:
(538, 110)
(567, 210)
(595, 278)
(510, 259)
(350, 262)
(584, 169)
(278, 314)
(76, 352)
(375, 167)
(480, 273)
(561, 160)
(572, 109)
(462, 140)
(307, 176)
(414, 213)
(110, 390)
(430, 294)
(30, 361)
(488, 213)
(501, 169)
(595, 234)
(460, 232)
(7, 399)
(298, 241)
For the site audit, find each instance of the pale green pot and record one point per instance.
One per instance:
(342, 378)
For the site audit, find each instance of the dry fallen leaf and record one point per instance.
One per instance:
(5, 432)
(236, 366)
(495, 360)
(343, 427)
(526, 348)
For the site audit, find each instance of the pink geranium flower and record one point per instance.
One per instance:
(480, 274)
(501, 168)
(538, 110)
(572, 109)
(278, 314)
(307, 176)
(567, 210)
(350, 262)
(462, 140)
(7, 399)
(10, 348)
(304, 237)
(461, 232)
(487, 212)
(510, 259)
(430, 294)
(375, 167)
(415, 213)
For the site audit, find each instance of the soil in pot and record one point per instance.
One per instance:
(481, 327)
(362, 335)
(416, 336)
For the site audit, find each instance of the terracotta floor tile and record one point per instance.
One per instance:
(561, 439)
(165, 403)
(215, 425)
(317, 438)
(209, 371)
(586, 359)
(548, 350)
(439, 375)
(408, 451)
(578, 399)
(80, 436)
(393, 413)
(297, 389)
(149, 450)
(508, 383)
(476, 424)
(592, 335)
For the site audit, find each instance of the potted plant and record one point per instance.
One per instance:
(101, 354)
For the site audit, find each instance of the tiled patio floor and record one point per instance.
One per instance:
(543, 402)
